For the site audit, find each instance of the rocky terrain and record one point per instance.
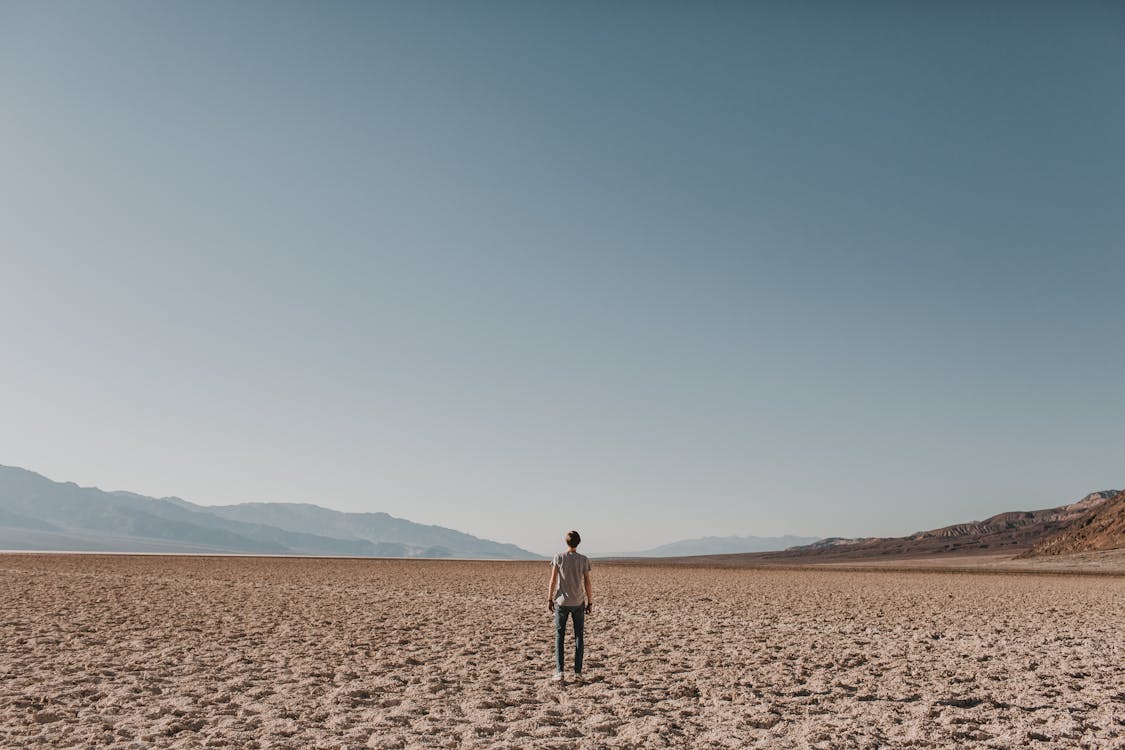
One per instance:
(299, 653)
(1102, 527)
(1011, 534)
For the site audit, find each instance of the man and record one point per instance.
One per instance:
(569, 595)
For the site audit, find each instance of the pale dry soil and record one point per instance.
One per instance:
(190, 652)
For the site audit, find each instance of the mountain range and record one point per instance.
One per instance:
(1102, 527)
(37, 513)
(1095, 522)
(720, 545)
(41, 514)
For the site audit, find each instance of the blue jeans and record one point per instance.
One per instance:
(579, 615)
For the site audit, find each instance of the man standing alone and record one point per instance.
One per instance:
(569, 595)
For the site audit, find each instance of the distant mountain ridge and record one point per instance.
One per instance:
(719, 545)
(38, 513)
(1097, 521)
(1012, 531)
(1101, 527)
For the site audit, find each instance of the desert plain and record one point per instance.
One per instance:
(242, 652)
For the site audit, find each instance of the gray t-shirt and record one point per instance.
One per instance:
(572, 567)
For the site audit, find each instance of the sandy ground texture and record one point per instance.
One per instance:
(1110, 562)
(190, 652)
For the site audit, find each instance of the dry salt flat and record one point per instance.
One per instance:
(228, 652)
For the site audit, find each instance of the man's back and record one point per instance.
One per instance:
(572, 568)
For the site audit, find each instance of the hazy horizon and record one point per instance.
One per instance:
(596, 549)
(654, 271)
(546, 551)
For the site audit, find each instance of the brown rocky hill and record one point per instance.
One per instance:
(1011, 533)
(1099, 528)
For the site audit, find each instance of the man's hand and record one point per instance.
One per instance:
(550, 605)
(589, 609)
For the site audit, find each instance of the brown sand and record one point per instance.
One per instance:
(186, 652)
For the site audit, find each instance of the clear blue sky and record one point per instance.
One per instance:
(651, 270)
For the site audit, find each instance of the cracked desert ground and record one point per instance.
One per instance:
(232, 652)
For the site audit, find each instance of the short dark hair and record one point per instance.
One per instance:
(573, 538)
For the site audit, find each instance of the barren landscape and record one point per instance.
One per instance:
(240, 652)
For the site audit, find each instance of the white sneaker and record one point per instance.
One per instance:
(557, 677)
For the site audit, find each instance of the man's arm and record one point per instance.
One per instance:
(551, 589)
(589, 592)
